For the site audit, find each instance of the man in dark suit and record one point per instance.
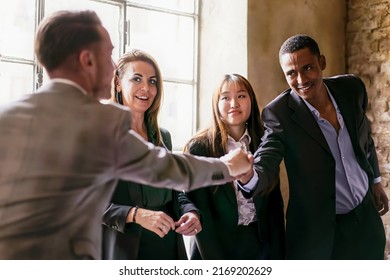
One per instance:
(62, 151)
(320, 129)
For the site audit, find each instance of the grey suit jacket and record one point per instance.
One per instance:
(61, 155)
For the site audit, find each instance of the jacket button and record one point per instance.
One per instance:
(217, 176)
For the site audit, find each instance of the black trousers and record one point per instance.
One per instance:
(360, 234)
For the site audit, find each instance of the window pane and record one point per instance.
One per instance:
(177, 5)
(108, 13)
(15, 81)
(17, 21)
(176, 113)
(170, 43)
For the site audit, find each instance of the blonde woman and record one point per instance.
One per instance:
(143, 222)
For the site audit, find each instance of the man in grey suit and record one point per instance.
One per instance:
(62, 151)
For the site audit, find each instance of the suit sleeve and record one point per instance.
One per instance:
(371, 151)
(142, 162)
(115, 216)
(372, 156)
(206, 242)
(166, 138)
(186, 205)
(270, 153)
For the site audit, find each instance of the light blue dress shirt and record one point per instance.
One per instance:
(351, 179)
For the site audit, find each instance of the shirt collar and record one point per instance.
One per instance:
(314, 111)
(245, 138)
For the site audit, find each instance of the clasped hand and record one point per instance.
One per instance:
(161, 223)
(239, 163)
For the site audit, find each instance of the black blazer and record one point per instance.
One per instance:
(218, 207)
(121, 240)
(291, 132)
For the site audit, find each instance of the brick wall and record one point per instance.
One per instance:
(368, 56)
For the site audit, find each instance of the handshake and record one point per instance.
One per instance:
(240, 164)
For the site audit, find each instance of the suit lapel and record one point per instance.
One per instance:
(304, 118)
(345, 109)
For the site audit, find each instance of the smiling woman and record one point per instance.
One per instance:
(138, 85)
(235, 227)
(142, 222)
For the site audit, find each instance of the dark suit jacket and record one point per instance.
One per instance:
(121, 240)
(218, 207)
(291, 132)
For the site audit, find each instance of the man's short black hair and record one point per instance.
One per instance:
(298, 42)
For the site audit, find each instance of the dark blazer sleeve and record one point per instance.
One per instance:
(372, 158)
(115, 216)
(352, 88)
(270, 153)
(371, 151)
(116, 213)
(186, 204)
(166, 138)
(207, 244)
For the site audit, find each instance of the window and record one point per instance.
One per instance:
(17, 64)
(166, 29)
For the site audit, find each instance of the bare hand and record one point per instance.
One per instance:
(238, 162)
(189, 224)
(155, 221)
(382, 202)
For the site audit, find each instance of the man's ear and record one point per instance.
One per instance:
(322, 61)
(86, 58)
